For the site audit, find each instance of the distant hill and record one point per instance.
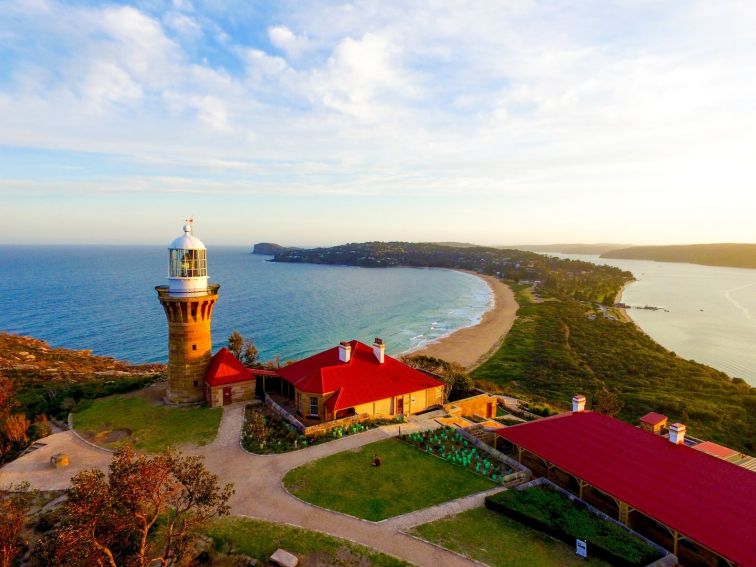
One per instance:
(598, 248)
(729, 255)
(270, 249)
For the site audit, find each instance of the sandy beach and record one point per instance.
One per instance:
(472, 346)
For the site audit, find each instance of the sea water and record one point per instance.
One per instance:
(708, 313)
(102, 298)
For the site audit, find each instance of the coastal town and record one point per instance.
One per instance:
(401, 456)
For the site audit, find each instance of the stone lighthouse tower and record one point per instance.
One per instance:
(188, 300)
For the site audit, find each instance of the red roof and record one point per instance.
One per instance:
(361, 380)
(226, 369)
(700, 496)
(653, 418)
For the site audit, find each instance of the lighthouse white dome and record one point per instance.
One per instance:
(187, 241)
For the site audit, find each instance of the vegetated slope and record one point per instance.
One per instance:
(582, 280)
(49, 380)
(555, 350)
(729, 255)
(598, 248)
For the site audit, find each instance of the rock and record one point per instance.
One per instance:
(284, 558)
(59, 460)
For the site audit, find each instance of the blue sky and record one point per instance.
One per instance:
(326, 122)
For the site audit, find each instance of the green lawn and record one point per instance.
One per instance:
(259, 539)
(408, 479)
(149, 426)
(499, 541)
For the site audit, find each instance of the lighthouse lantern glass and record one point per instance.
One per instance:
(187, 263)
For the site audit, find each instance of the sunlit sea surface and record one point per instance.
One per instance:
(711, 314)
(103, 299)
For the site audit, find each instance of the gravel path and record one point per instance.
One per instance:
(259, 492)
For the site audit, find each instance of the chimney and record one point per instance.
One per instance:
(578, 403)
(345, 351)
(677, 433)
(379, 350)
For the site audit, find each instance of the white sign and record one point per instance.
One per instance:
(581, 548)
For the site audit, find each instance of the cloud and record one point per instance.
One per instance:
(288, 42)
(381, 97)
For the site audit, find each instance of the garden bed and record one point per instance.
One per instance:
(447, 444)
(265, 432)
(550, 511)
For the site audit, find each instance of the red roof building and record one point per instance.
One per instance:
(697, 497)
(227, 380)
(353, 378)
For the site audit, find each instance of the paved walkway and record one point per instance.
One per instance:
(35, 468)
(259, 492)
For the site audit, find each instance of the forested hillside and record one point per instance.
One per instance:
(731, 255)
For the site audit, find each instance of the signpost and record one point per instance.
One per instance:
(581, 548)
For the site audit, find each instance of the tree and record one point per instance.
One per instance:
(244, 349)
(16, 428)
(108, 521)
(607, 402)
(458, 382)
(15, 503)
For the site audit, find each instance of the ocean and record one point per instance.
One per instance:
(708, 315)
(102, 298)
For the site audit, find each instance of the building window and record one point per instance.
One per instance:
(313, 406)
(195, 383)
(194, 347)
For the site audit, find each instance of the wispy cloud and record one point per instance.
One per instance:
(641, 101)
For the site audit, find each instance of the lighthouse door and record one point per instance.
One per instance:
(226, 396)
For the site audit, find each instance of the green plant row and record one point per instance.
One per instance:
(550, 511)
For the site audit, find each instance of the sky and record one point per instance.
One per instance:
(318, 123)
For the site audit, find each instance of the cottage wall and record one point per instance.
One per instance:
(240, 392)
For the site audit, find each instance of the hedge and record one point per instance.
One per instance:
(550, 511)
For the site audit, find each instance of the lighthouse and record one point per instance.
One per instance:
(188, 301)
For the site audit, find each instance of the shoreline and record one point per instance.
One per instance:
(472, 346)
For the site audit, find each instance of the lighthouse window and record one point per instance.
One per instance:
(187, 263)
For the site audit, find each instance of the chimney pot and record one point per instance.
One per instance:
(379, 350)
(345, 351)
(578, 403)
(677, 434)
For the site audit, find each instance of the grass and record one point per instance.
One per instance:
(499, 541)
(259, 539)
(408, 479)
(149, 426)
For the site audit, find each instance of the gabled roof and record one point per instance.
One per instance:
(361, 380)
(226, 369)
(702, 497)
(653, 418)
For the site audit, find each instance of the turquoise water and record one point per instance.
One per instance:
(711, 314)
(103, 298)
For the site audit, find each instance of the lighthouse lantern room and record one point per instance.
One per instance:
(188, 301)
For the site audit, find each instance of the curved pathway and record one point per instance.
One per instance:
(259, 492)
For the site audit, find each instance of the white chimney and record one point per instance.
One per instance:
(379, 350)
(677, 433)
(345, 351)
(578, 403)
